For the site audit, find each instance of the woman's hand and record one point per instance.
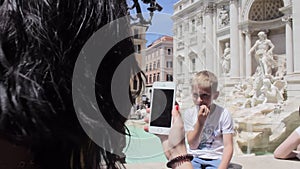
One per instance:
(174, 143)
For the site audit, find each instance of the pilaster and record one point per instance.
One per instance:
(234, 39)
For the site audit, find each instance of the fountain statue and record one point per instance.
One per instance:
(259, 104)
(263, 48)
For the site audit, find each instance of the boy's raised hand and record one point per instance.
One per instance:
(203, 113)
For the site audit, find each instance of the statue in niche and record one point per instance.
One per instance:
(223, 17)
(263, 48)
(226, 60)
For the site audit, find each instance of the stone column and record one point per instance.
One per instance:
(242, 56)
(289, 44)
(248, 57)
(234, 40)
(296, 27)
(209, 52)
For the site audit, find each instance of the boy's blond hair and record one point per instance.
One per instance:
(206, 79)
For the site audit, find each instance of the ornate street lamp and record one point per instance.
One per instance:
(153, 6)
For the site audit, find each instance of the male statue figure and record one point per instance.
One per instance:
(264, 53)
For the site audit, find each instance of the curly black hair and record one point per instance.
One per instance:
(40, 41)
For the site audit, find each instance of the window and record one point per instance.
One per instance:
(193, 25)
(193, 64)
(146, 68)
(154, 77)
(150, 78)
(157, 77)
(137, 48)
(154, 65)
(180, 30)
(169, 77)
(180, 67)
(147, 81)
(136, 34)
(158, 64)
(169, 64)
(169, 51)
(150, 67)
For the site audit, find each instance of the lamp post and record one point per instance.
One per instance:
(153, 6)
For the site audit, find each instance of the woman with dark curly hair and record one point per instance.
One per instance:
(60, 105)
(40, 42)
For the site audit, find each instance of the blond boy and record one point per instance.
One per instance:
(209, 126)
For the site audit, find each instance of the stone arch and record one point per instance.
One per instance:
(263, 10)
(250, 3)
(246, 9)
(264, 15)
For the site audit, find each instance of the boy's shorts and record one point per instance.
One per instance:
(198, 163)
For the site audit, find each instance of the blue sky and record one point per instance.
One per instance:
(162, 23)
(167, 5)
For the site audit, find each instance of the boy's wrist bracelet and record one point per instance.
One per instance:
(179, 160)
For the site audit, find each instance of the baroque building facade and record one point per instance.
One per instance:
(203, 28)
(158, 62)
